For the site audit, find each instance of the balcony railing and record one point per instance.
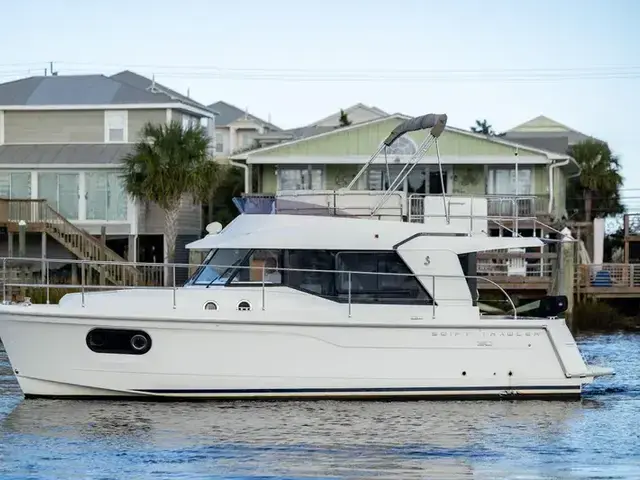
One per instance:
(520, 205)
(608, 275)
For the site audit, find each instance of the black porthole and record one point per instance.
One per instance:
(118, 341)
(244, 306)
(211, 306)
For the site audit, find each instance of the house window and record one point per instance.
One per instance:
(219, 143)
(377, 178)
(502, 181)
(61, 191)
(402, 146)
(15, 185)
(106, 197)
(502, 184)
(115, 126)
(300, 178)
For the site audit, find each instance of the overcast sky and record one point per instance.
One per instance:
(576, 61)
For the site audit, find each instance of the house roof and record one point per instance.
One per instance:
(124, 88)
(228, 113)
(143, 83)
(500, 140)
(358, 106)
(73, 90)
(543, 130)
(64, 154)
(541, 123)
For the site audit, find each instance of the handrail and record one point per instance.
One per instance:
(60, 228)
(84, 263)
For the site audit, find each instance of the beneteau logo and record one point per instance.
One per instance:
(427, 261)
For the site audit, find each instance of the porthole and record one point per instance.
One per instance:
(244, 306)
(118, 341)
(211, 306)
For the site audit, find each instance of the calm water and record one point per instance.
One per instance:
(597, 437)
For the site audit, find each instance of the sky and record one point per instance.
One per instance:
(575, 61)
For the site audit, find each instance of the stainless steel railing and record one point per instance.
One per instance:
(15, 274)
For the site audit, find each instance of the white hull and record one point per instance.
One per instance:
(308, 356)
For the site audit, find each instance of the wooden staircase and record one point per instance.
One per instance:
(40, 216)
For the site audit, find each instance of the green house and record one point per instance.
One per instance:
(474, 165)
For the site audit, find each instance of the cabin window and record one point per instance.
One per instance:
(259, 266)
(376, 277)
(318, 282)
(218, 266)
(382, 277)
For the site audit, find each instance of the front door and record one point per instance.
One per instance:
(435, 184)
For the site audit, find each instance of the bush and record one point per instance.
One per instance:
(601, 316)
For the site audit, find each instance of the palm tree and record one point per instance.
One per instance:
(168, 163)
(600, 178)
(482, 126)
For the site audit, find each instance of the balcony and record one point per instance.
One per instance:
(520, 205)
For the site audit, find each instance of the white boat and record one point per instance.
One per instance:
(301, 306)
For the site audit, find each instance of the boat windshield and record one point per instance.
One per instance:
(218, 266)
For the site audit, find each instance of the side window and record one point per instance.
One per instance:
(382, 278)
(318, 282)
(259, 264)
(218, 266)
(115, 126)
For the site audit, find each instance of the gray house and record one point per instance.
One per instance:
(61, 142)
(237, 129)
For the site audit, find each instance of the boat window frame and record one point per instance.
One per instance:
(205, 263)
(336, 296)
(240, 267)
(428, 300)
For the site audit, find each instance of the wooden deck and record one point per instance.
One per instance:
(39, 216)
(608, 281)
(511, 283)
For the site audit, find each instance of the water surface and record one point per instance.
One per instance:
(597, 437)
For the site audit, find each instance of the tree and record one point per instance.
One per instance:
(344, 119)
(220, 207)
(482, 126)
(168, 163)
(596, 192)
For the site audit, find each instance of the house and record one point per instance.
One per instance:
(237, 129)
(62, 139)
(543, 132)
(357, 113)
(474, 165)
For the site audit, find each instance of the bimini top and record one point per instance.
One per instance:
(339, 233)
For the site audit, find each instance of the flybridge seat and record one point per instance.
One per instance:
(466, 215)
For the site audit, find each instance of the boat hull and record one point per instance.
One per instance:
(260, 360)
